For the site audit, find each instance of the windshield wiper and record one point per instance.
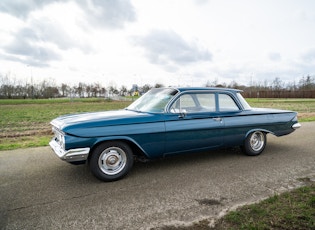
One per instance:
(134, 110)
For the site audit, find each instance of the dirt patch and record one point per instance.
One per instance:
(210, 202)
(305, 115)
(36, 130)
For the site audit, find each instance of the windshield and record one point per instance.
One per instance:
(153, 101)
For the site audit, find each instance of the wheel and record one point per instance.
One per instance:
(111, 161)
(254, 143)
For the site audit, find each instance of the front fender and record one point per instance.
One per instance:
(120, 138)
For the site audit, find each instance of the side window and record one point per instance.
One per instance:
(187, 101)
(182, 104)
(207, 101)
(194, 103)
(226, 103)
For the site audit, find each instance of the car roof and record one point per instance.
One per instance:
(184, 89)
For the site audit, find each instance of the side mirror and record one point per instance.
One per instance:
(182, 113)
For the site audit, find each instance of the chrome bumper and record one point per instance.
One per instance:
(71, 155)
(296, 126)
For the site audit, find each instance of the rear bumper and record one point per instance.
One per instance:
(71, 155)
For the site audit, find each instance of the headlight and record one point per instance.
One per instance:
(59, 137)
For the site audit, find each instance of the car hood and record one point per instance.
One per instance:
(68, 123)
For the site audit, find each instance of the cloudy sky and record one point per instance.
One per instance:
(173, 42)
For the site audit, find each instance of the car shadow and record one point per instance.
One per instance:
(168, 165)
(187, 160)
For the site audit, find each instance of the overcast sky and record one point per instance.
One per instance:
(173, 42)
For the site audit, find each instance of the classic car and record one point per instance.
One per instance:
(164, 122)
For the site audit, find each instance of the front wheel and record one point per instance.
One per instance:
(254, 143)
(111, 161)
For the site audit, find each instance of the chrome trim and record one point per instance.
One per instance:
(296, 126)
(71, 155)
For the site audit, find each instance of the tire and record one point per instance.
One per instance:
(254, 143)
(111, 161)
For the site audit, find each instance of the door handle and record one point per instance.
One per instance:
(217, 119)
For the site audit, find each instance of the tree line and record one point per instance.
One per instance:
(304, 88)
(11, 88)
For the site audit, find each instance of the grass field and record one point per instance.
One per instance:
(305, 107)
(25, 123)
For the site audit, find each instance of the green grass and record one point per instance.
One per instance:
(24, 142)
(300, 105)
(290, 210)
(26, 124)
(43, 112)
(304, 106)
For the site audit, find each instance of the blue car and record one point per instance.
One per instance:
(164, 122)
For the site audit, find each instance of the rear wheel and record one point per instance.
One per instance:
(111, 161)
(254, 143)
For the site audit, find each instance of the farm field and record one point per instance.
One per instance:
(304, 106)
(25, 123)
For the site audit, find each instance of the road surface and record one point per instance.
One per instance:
(39, 191)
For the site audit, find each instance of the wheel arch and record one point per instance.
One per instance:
(258, 130)
(135, 147)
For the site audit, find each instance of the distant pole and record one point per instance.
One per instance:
(32, 83)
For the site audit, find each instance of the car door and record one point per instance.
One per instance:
(235, 123)
(193, 123)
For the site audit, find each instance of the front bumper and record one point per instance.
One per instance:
(71, 155)
(296, 126)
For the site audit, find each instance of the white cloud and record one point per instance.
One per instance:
(21, 8)
(274, 56)
(171, 51)
(111, 14)
(176, 42)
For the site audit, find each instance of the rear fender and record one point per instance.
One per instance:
(259, 130)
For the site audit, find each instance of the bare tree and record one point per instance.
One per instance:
(307, 83)
(65, 89)
(79, 90)
(277, 84)
(123, 91)
(158, 85)
(146, 88)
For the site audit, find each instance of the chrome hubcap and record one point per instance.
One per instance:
(257, 141)
(112, 160)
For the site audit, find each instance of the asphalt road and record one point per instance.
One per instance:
(39, 191)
